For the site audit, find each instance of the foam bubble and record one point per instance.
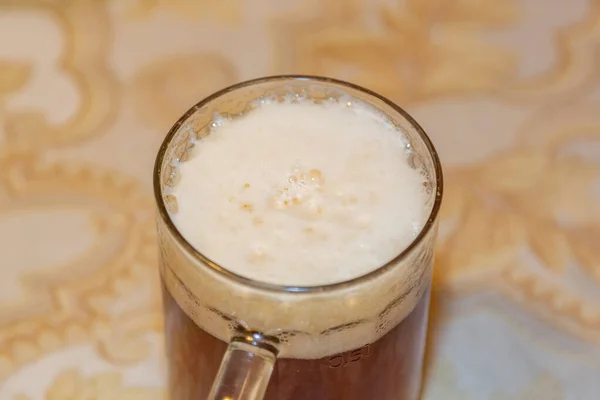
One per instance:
(304, 169)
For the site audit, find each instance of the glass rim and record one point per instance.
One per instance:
(266, 286)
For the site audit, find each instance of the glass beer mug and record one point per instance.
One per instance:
(230, 337)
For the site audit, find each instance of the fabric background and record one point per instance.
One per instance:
(509, 91)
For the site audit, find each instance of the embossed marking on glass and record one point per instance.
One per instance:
(231, 337)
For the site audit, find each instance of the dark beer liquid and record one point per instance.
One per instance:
(389, 369)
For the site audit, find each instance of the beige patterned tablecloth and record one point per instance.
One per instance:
(509, 90)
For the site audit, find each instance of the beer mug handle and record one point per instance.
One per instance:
(245, 369)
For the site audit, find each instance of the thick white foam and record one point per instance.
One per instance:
(301, 194)
(352, 204)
